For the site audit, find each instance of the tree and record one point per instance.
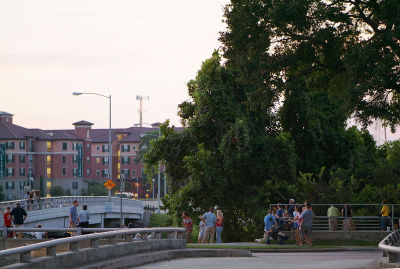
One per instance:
(96, 189)
(56, 191)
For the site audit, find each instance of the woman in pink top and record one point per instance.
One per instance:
(219, 225)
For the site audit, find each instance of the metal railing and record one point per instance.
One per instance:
(127, 235)
(359, 222)
(67, 201)
(390, 246)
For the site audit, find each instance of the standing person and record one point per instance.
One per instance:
(347, 213)
(219, 225)
(279, 215)
(291, 208)
(84, 217)
(7, 220)
(26, 197)
(306, 224)
(298, 209)
(210, 219)
(202, 230)
(385, 212)
(188, 225)
(333, 214)
(73, 216)
(18, 215)
(38, 197)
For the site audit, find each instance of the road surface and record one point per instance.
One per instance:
(308, 260)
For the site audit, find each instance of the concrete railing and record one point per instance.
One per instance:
(67, 201)
(390, 246)
(124, 238)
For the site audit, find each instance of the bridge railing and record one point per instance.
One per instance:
(126, 235)
(67, 201)
(390, 246)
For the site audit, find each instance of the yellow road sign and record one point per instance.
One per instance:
(109, 184)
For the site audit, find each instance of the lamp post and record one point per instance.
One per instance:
(109, 134)
(121, 189)
(157, 125)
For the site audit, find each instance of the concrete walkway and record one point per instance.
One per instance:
(309, 260)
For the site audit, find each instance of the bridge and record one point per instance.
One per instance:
(53, 211)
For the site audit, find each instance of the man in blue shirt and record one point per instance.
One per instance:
(306, 226)
(73, 216)
(210, 219)
(269, 221)
(279, 215)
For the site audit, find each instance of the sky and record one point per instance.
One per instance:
(49, 49)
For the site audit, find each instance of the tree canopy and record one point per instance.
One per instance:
(266, 119)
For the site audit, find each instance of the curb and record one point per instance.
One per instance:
(310, 250)
(158, 256)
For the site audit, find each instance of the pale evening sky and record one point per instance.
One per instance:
(48, 49)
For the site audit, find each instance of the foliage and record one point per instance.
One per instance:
(96, 189)
(159, 220)
(56, 191)
(267, 118)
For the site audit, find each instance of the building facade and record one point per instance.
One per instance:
(42, 159)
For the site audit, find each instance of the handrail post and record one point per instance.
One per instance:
(94, 243)
(51, 251)
(25, 257)
(74, 246)
(112, 240)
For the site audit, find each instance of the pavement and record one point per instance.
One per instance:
(305, 260)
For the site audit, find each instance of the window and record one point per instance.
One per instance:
(75, 159)
(125, 148)
(104, 173)
(88, 159)
(88, 172)
(22, 145)
(22, 158)
(97, 160)
(97, 148)
(87, 146)
(74, 185)
(133, 172)
(10, 185)
(74, 172)
(48, 184)
(30, 158)
(10, 145)
(65, 146)
(88, 134)
(48, 160)
(64, 159)
(10, 172)
(133, 146)
(64, 171)
(97, 172)
(21, 185)
(48, 172)
(126, 172)
(104, 160)
(22, 172)
(73, 145)
(48, 146)
(31, 146)
(10, 158)
(31, 172)
(125, 160)
(104, 148)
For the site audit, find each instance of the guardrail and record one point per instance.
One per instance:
(67, 201)
(127, 235)
(390, 246)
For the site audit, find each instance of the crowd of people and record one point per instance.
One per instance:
(211, 225)
(16, 217)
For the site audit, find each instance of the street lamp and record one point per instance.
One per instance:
(157, 125)
(109, 134)
(121, 189)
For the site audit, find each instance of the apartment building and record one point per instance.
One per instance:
(42, 159)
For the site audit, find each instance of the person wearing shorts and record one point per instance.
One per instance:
(202, 231)
(306, 224)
